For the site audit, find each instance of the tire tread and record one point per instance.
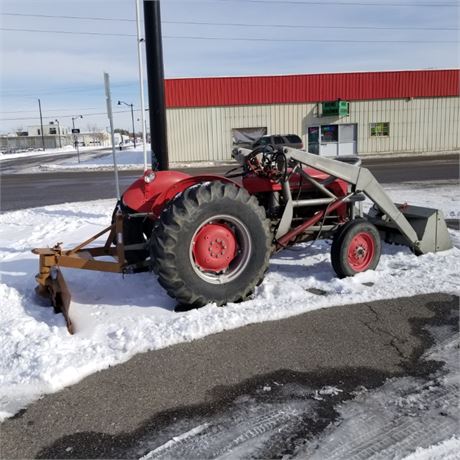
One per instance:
(166, 234)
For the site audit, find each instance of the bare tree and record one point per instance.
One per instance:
(92, 128)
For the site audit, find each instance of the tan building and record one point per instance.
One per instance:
(334, 114)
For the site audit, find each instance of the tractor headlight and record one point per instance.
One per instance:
(149, 177)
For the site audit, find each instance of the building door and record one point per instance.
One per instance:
(329, 140)
(333, 140)
(347, 139)
(313, 140)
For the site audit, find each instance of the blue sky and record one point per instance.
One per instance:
(65, 71)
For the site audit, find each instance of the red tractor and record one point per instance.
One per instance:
(210, 238)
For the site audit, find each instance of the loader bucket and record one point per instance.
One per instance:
(428, 223)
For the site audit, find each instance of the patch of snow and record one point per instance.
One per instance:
(116, 317)
(48, 152)
(446, 450)
(175, 440)
(405, 418)
(126, 160)
(326, 391)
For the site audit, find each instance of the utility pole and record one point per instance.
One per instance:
(132, 119)
(41, 124)
(108, 100)
(75, 136)
(155, 79)
(59, 133)
(141, 81)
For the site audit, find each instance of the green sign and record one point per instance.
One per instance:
(336, 108)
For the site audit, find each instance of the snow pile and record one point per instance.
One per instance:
(117, 317)
(446, 450)
(126, 160)
(33, 153)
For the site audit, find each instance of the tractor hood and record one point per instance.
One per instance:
(142, 195)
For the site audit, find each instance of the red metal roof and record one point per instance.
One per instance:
(225, 91)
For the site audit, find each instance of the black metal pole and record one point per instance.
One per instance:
(155, 83)
(134, 129)
(41, 124)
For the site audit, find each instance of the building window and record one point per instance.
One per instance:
(329, 133)
(245, 137)
(53, 131)
(379, 129)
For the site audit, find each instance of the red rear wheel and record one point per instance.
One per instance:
(211, 244)
(220, 249)
(356, 248)
(214, 247)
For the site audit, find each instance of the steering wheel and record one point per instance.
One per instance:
(268, 161)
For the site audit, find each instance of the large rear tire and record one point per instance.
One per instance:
(211, 244)
(356, 247)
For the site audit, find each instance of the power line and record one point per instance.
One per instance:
(232, 24)
(55, 16)
(67, 32)
(269, 39)
(48, 110)
(66, 116)
(294, 26)
(357, 3)
(63, 90)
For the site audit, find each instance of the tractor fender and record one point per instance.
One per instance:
(162, 200)
(153, 196)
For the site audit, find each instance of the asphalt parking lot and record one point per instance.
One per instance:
(110, 414)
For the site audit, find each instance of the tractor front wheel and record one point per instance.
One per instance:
(211, 244)
(355, 248)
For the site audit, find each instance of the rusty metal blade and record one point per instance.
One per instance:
(62, 300)
(59, 295)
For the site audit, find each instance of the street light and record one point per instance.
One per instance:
(132, 118)
(59, 133)
(75, 135)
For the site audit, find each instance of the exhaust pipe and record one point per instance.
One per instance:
(155, 84)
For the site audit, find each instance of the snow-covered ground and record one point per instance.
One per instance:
(117, 317)
(127, 159)
(48, 152)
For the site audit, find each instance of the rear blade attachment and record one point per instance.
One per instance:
(50, 281)
(52, 285)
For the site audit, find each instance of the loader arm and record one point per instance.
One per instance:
(433, 237)
(364, 181)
